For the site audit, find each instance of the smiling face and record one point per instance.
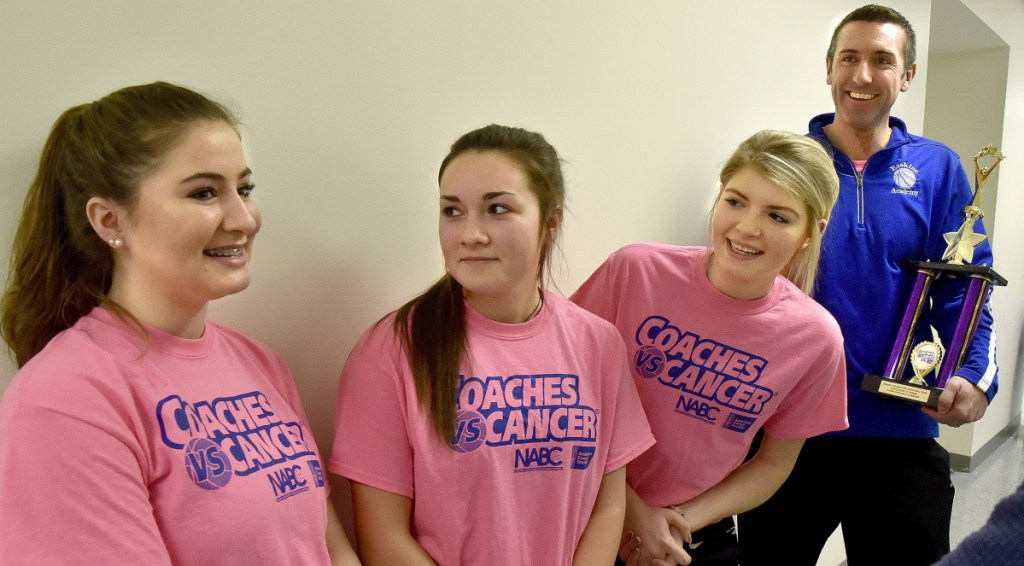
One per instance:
(490, 232)
(188, 238)
(756, 229)
(867, 73)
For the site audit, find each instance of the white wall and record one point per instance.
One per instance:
(1006, 18)
(969, 119)
(349, 107)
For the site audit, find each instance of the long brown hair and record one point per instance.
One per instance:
(432, 326)
(60, 268)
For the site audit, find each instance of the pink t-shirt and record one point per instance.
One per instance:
(183, 452)
(712, 370)
(546, 409)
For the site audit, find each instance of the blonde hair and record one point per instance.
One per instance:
(800, 166)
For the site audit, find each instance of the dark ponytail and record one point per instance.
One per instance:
(433, 329)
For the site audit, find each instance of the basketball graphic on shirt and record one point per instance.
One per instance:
(649, 361)
(207, 465)
(904, 176)
(470, 431)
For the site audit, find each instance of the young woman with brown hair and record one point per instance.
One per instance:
(488, 421)
(137, 431)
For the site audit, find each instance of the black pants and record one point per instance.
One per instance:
(714, 545)
(893, 498)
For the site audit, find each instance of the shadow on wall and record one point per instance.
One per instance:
(1017, 395)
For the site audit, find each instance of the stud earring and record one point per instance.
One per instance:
(116, 242)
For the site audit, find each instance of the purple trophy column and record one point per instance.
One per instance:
(966, 324)
(901, 346)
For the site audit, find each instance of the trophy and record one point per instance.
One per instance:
(927, 356)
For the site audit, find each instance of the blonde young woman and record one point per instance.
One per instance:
(724, 340)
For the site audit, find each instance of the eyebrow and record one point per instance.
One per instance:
(745, 197)
(487, 196)
(215, 176)
(875, 52)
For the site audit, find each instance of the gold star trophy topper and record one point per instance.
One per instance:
(961, 244)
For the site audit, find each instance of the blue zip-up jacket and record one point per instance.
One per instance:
(910, 194)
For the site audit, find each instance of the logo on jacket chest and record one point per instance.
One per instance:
(905, 177)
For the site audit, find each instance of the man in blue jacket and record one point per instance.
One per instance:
(885, 479)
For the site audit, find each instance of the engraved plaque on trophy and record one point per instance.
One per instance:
(978, 280)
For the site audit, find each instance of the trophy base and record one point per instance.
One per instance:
(916, 394)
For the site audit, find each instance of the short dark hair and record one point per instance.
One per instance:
(882, 15)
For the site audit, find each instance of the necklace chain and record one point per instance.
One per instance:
(540, 303)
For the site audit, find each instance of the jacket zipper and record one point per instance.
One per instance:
(860, 195)
(859, 175)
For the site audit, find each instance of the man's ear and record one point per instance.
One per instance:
(908, 76)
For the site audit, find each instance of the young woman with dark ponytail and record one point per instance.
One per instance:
(488, 421)
(136, 431)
